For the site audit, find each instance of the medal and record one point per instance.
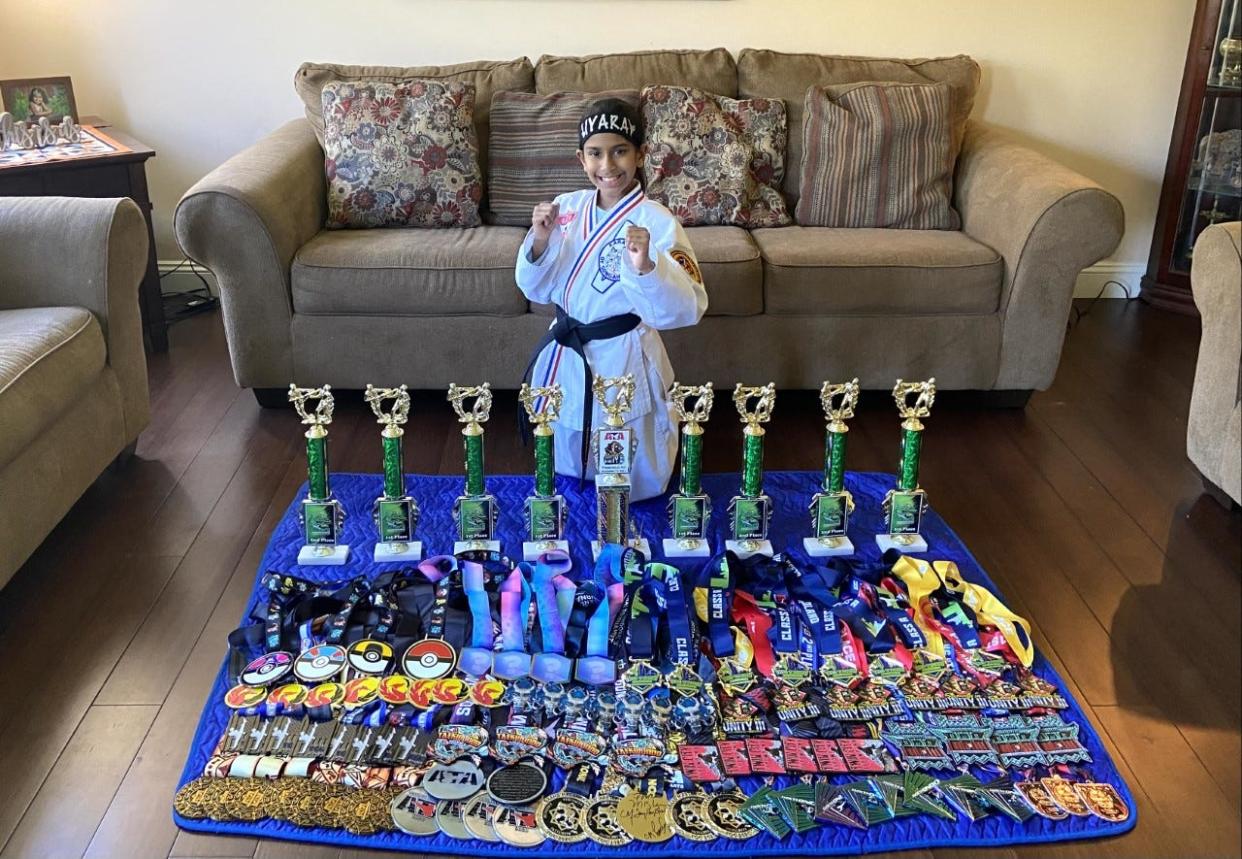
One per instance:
(644, 816)
(242, 697)
(450, 819)
(516, 826)
(268, 668)
(1064, 795)
(369, 656)
(559, 817)
(518, 785)
(1040, 800)
(477, 817)
(686, 814)
(395, 689)
(458, 780)
(599, 819)
(1103, 800)
(414, 811)
(429, 659)
(721, 814)
(319, 663)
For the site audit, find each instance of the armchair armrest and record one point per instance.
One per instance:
(1048, 223)
(92, 253)
(245, 220)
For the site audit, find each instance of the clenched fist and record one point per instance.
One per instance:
(542, 223)
(638, 246)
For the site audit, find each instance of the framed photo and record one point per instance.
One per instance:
(31, 99)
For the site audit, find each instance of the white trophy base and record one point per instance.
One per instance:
(673, 548)
(641, 544)
(816, 549)
(532, 551)
(915, 546)
(397, 552)
(323, 556)
(746, 548)
(460, 546)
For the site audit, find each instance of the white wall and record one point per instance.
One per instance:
(1091, 82)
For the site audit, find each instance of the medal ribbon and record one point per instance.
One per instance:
(681, 647)
(646, 610)
(282, 591)
(990, 610)
(554, 595)
(756, 623)
(610, 574)
(474, 581)
(713, 600)
(514, 607)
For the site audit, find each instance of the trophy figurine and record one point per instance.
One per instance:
(832, 505)
(395, 512)
(321, 515)
(903, 506)
(689, 509)
(613, 447)
(545, 510)
(475, 511)
(750, 512)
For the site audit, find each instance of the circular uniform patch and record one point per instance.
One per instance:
(560, 817)
(686, 261)
(268, 668)
(370, 656)
(516, 825)
(449, 819)
(429, 659)
(413, 811)
(458, 780)
(721, 815)
(599, 819)
(319, 663)
(686, 812)
(521, 784)
(480, 809)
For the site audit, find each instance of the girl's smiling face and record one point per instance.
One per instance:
(611, 164)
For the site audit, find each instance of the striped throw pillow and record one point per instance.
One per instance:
(531, 155)
(878, 155)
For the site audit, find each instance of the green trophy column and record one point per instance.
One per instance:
(474, 462)
(317, 462)
(394, 485)
(545, 482)
(834, 462)
(691, 459)
(911, 447)
(752, 462)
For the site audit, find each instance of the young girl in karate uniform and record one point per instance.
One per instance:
(619, 269)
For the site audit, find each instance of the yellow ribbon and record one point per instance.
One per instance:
(989, 610)
(920, 581)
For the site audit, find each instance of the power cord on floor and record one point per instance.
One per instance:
(1077, 315)
(190, 302)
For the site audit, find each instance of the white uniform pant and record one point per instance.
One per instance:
(653, 460)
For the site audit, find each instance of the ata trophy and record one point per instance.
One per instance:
(613, 447)
(321, 516)
(750, 512)
(832, 506)
(395, 512)
(689, 510)
(545, 510)
(903, 506)
(475, 511)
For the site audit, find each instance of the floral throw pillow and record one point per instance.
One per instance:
(401, 155)
(715, 160)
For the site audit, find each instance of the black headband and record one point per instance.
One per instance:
(610, 116)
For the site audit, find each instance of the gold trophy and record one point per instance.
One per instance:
(475, 511)
(321, 515)
(613, 447)
(545, 510)
(395, 512)
(832, 505)
(689, 509)
(750, 512)
(903, 506)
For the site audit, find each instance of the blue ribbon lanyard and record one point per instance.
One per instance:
(717, 580)
(680, 647)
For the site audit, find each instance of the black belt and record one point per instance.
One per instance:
(572, 334)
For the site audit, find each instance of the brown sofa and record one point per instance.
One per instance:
(982, 308)
(73, 376)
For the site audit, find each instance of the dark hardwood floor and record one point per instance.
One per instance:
(1083, 508)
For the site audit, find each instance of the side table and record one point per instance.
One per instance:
(122, 174)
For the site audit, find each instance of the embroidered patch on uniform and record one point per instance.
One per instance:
(687, 262)
(567, 218)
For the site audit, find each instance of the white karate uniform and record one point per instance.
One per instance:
(586, 270)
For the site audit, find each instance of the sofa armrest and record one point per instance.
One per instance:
(92, 253)
(1048, 223)
(1216, 283)
(245, 220)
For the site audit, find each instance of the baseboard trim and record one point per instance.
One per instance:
(182, 276)
(1096, 278)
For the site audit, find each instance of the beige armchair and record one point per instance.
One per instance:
(73, 375)
(1214, 430)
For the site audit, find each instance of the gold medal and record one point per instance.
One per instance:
(249, 801)
(721, 815)
(365, 811)
(645, 816)
(599, 819)
(195, 799)
(559, 817)
(223, 796)
(302, 804)
(686, 814)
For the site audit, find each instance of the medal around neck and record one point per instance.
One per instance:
(832, 505)
(322, 517)
(395, 512)
(545, 510)
(751, 511)
(690, 509)
(475, 511)
(904, 505)
(613, 446)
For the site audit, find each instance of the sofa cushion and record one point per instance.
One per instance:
(713, 70)
(401, 155)
(534, 149)
(409, 273)
(877, 155)
(486, 78)
(48, 356)
(773, 74)
(824, 271)
(713, 159)
(732, 269)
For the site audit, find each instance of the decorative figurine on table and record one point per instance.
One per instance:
(321, 515)
(395, 512)
(832, 505)
(689, 509)
(750, 512)
(613, 447)
(545, 510)
(475, 512)
(903, 506)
